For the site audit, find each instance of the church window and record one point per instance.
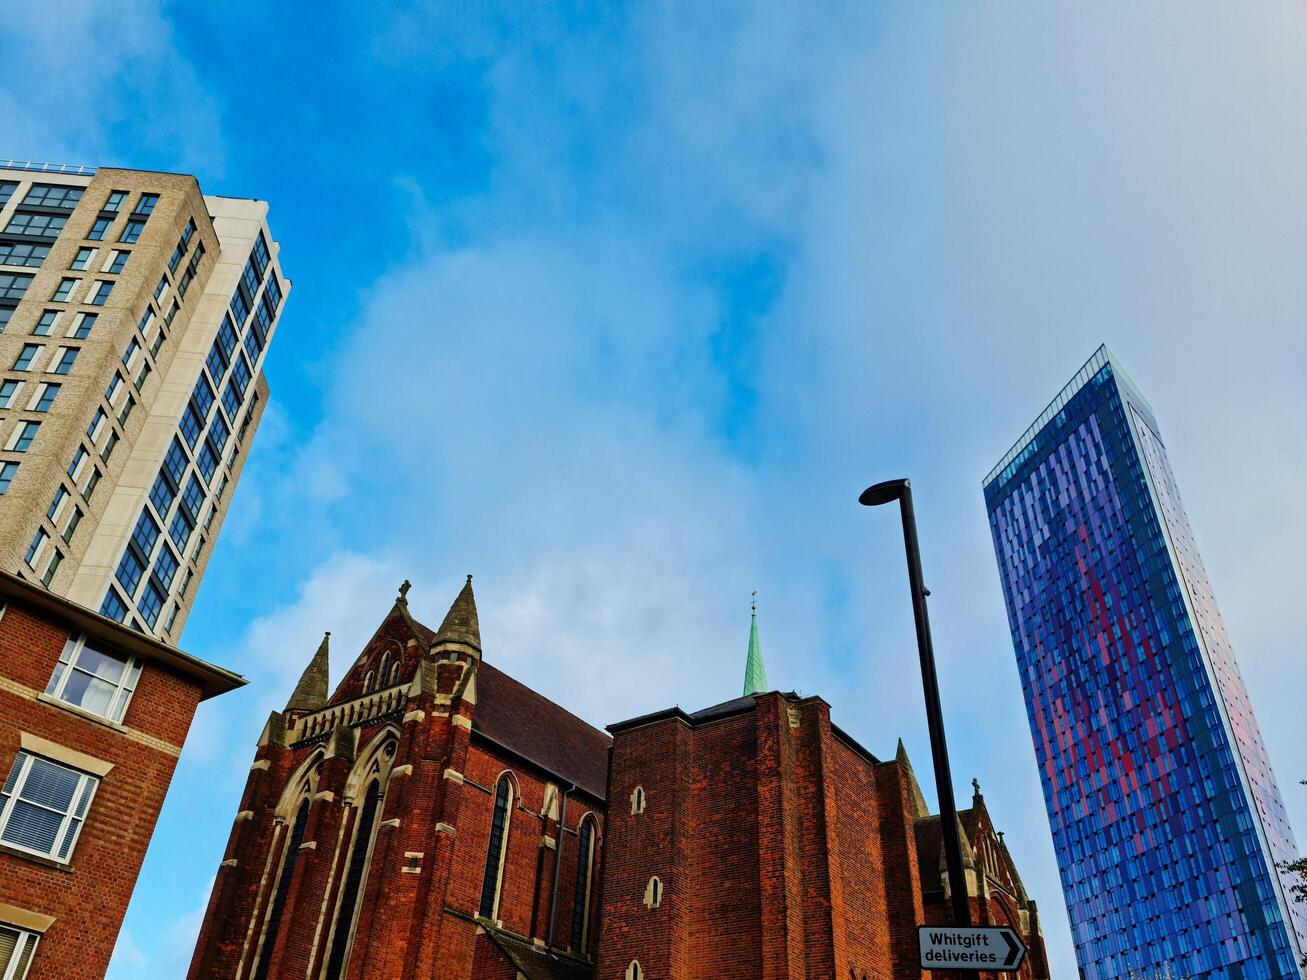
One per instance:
(494, 873)
(16, 948)
(384, 669)
(637, 800)
(355, 877)
(367, 682)
(584, 876)
(394, 674)
(634, 971)
(653, 893)
(293, 842)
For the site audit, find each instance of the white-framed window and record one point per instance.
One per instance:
(20, 440)
(16, 949)
(36, 550)
(637, 801)
(653, 893)
(9, 393)
(43, 805)
(634, 971)
(94, 680)
(83, 259)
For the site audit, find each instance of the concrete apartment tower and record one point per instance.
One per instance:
(135, 313)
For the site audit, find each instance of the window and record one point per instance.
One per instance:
(260, 253)
(117, 261)
(368, 681)
(44, 398)
(240, 375)
(145, 534)
(293, 841)
(162, 495)
(56, 559)
(584, 874)
(653, 893)
(494, 871)
(250, 280)
(188, 233)
(101, 293)
(175, 259)
(7, 473)
(13, 285)
(96, 426)
(26, 254)
(46, 324)
(26, 357)
(151, 603)
(634, 971)
(191, 426)
(23, 435)
(53, 196)
(231, 400)
(226, 338)
(70, 528)
(202, 397)
(129, 355)
(129, 572)
(7, 188)
(240, 309)
(43, 805)
(181, 528)
(92, 481)
(132, 231)
(637, 800)
(98, 229)
(272, 291)
(83, 258)
(9, 393)
(126, 411)
(63, 360)
(145, 206)
(37, 548)
(215, 363)
(116, 387)
(36, 225)
(85, 323)
(161, 288)
(175, 462)
(57, 504)
(193, 498)
(355, 877)
(113, 606)
(64, 294)
(173, 309)
(16, 948)
(165, 567)
(6, 313)
(79, 461)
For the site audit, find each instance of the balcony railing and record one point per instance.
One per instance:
(48, 168)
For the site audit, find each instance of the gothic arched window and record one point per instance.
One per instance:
(367, 682)
(355, 877)
(494, 874)
(653, 893)
(634, 971)
(293, 842)
(584, 877)
(637, 800)
(384, 669)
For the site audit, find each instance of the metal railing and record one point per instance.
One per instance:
(48, 168)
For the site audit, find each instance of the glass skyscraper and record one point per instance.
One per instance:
(1165, 814)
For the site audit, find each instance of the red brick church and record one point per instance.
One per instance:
(434, 818)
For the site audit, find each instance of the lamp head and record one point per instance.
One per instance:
(884, 493)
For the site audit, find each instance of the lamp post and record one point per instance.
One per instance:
(901, 490)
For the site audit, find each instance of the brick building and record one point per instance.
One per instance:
(92, 720)
(433, 817)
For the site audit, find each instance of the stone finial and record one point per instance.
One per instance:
(460, 627)
(402, 598)
(311, 692)
(975, 788)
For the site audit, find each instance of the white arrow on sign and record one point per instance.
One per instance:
(996, 949)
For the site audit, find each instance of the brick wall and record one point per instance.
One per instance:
(88, 895)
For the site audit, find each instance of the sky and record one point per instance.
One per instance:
(619, 309)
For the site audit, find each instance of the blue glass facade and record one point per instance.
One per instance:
(1165, 814)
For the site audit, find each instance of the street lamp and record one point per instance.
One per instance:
(874, 496)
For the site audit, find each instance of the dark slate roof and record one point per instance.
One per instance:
(533, 962)
(929, 842)
(530, 725)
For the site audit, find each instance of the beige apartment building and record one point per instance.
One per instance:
(135, 314)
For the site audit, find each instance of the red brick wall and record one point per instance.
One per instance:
(88, 897)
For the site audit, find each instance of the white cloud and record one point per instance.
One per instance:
(130, 95)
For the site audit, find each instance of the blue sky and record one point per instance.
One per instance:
(620, 308)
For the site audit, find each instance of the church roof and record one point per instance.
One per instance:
(534, 963)
(530, 725)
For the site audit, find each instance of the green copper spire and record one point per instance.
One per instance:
(755, 674)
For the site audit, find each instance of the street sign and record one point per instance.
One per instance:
(994, 949)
